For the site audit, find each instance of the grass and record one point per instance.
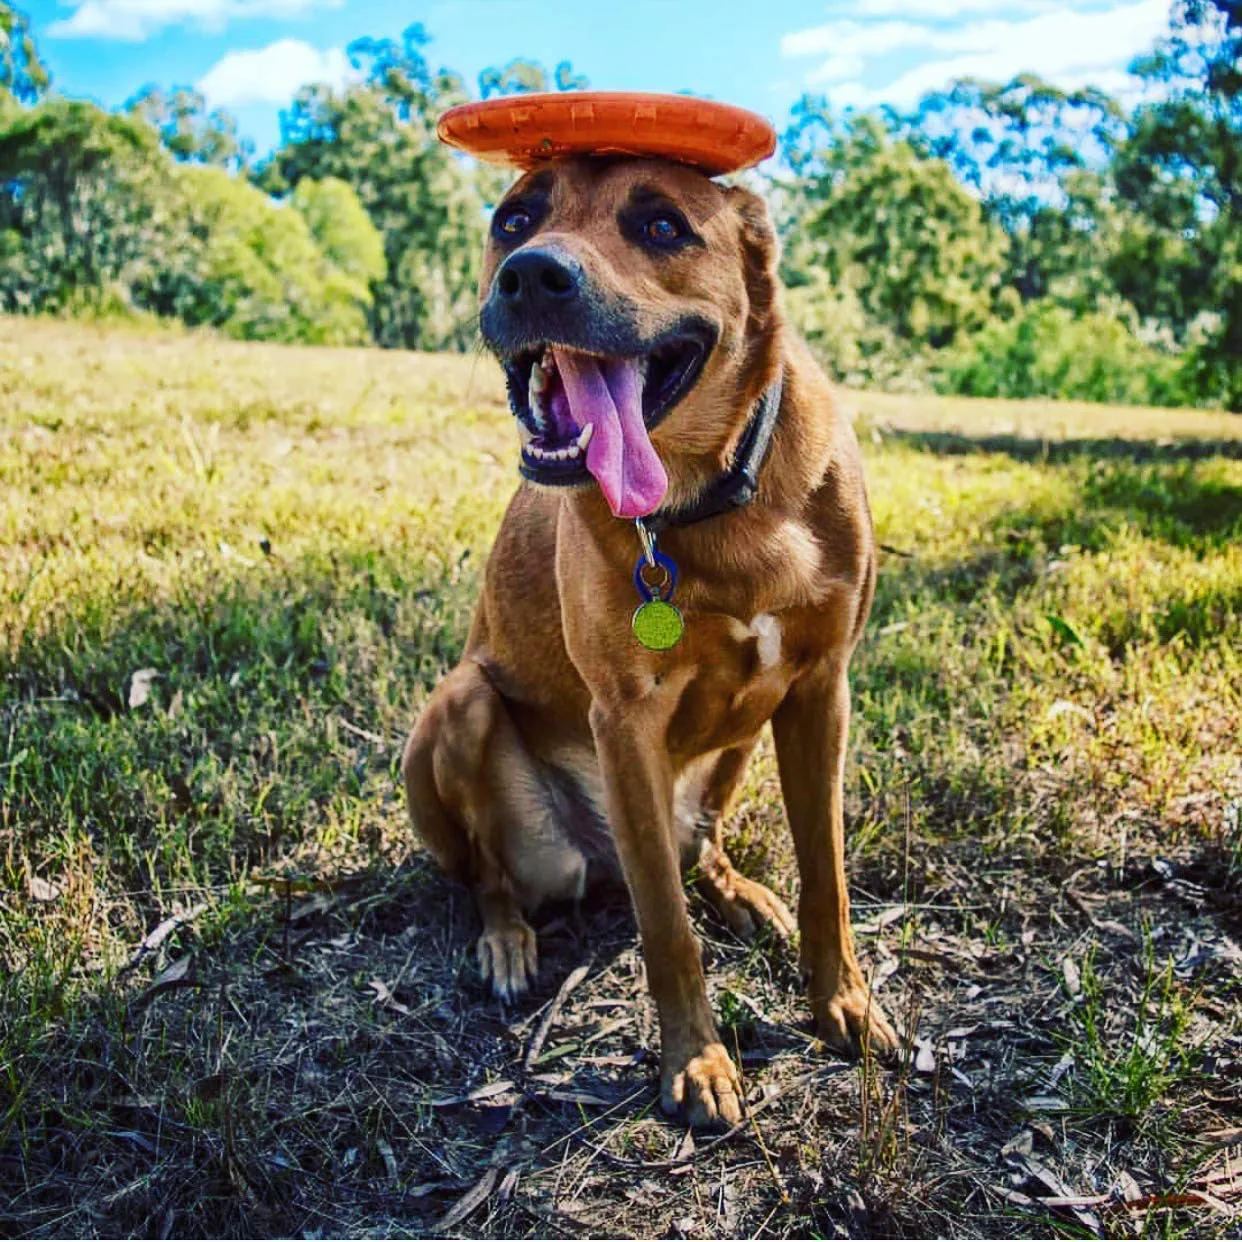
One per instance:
(1127, 1075)
(235, 998)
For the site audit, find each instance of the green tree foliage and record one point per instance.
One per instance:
(1046, 350)
(188, 130)
(86, 213)
(342, 230)
(900, 232)
(524, 77)
(256, 270)
(1033, 154)
(1180, 173)
(378, 136)
(23, 75)
(94, 213)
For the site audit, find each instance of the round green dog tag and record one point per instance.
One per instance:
(657, 625)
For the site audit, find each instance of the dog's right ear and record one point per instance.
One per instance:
(761, 253)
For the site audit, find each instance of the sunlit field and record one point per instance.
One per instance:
(236, 998)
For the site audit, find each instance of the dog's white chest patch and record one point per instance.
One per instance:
(767, 629)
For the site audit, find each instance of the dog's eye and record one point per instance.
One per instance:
(663, 230)
(513, 221)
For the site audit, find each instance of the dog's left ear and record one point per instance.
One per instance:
(760, 256)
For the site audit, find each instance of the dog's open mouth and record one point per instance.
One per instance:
(585, 415)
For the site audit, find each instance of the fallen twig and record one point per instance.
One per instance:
(574, 978)
(157, 935)
(365, 734)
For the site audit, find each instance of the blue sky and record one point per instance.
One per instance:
(250, 55)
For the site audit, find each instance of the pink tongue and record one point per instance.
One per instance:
(608, 394)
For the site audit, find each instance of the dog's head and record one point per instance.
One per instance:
(632, 304)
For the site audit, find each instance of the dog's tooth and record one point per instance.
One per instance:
(573, 450)
(538, 378)
(524, 434)
(534, 398)
(584, 436)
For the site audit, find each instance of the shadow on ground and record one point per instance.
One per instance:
(1028, 448)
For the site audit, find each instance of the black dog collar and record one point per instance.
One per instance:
(736, 488)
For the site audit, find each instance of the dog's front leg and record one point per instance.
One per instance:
(695, 1070)
(810, 729)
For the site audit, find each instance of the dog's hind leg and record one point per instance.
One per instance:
(476, 798)
(745, 904)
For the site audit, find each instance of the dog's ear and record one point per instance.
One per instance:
(760, 258)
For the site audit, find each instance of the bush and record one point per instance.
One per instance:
(256, 271)
(854, 349)
(1046, 351)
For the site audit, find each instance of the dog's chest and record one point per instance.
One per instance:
(739, 679)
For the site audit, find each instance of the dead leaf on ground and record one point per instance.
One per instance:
(42, 890)
(174, 972)
(140, 685)
(174, 975)
(1072, 976)
(384, 997)
(472, 1199)
(390, 1160)
(480, 1093)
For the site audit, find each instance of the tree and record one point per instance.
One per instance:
(1034, 155)
(23, 75)
(902, 233)
(1180, 171)
(343, 231)
(524, 77)
(191, 133)
(378, 136)
(254, 270)
(86, 209)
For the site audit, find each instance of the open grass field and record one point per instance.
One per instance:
(236, 998)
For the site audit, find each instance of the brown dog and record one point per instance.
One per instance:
(634, 305)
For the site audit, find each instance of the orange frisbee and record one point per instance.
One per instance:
(525, 131)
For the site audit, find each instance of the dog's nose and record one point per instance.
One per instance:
(538, 277)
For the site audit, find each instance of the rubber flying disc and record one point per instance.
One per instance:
(526, 131)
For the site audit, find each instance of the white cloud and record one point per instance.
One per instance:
(1064, 45)
(945, 10)
(850, 39)
(271, 74)
(135, 20)
(1056, 46)
(853, 95)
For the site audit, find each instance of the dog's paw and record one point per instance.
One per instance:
(749, 906)
(745, 905)
(705, 1086)
(508, 958)
(851, 1018)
